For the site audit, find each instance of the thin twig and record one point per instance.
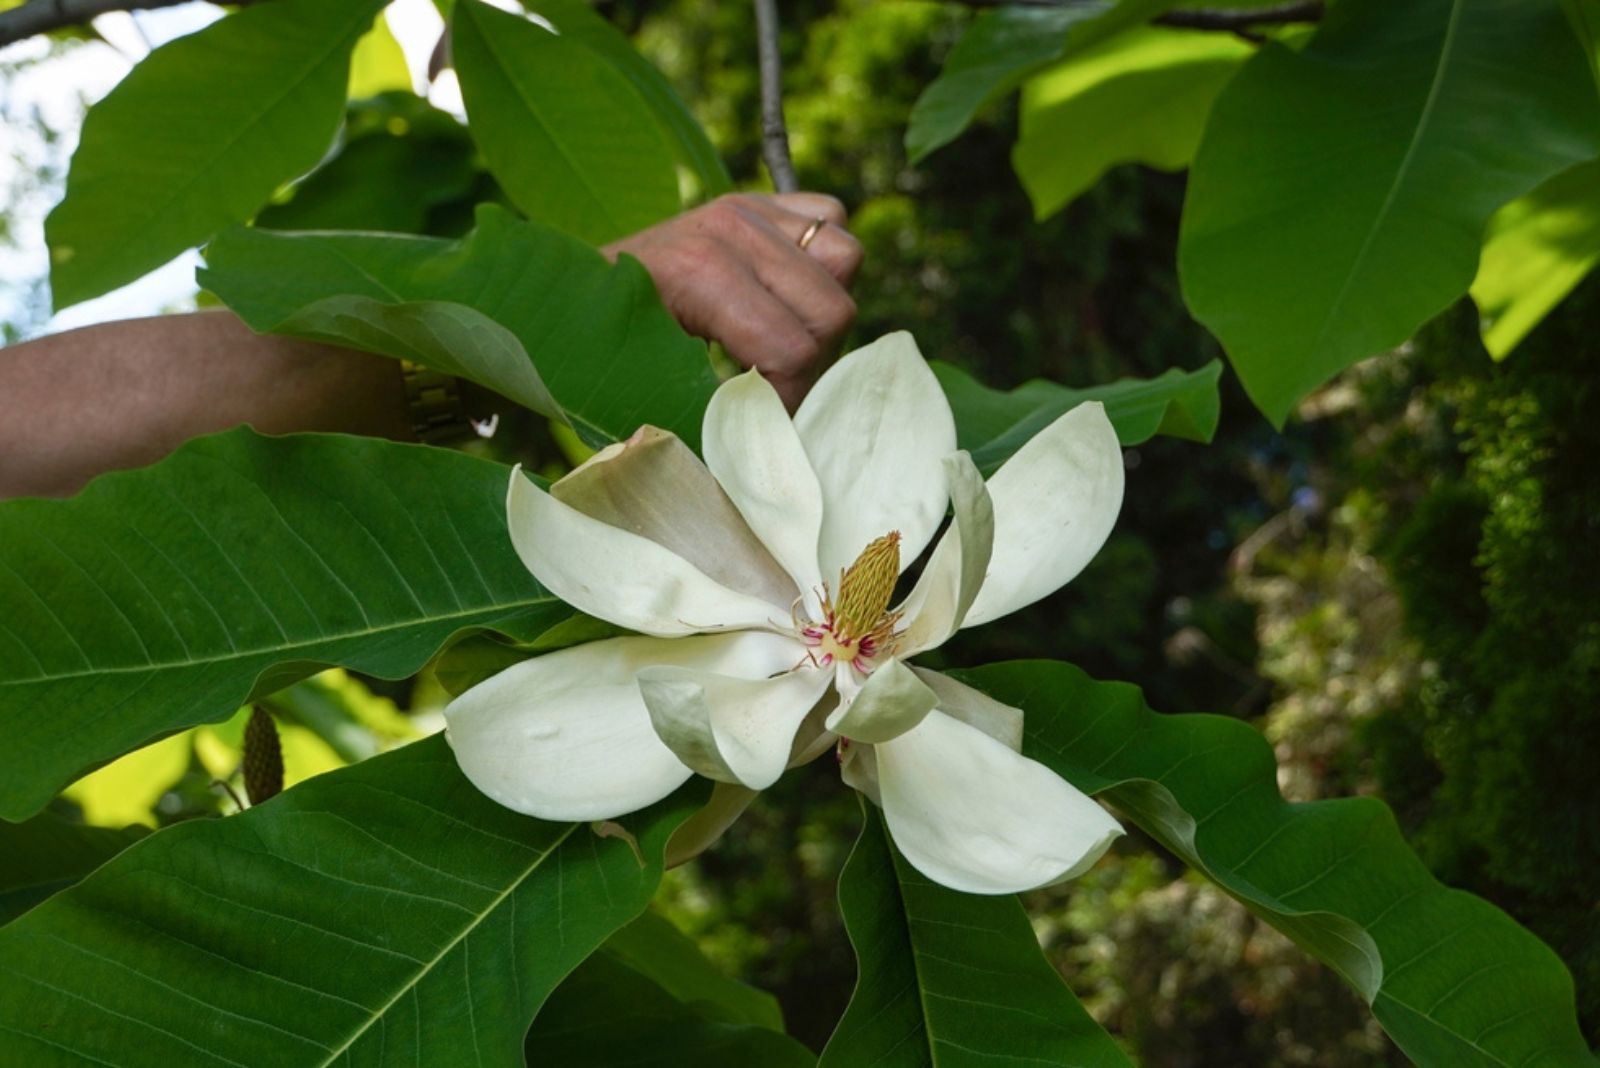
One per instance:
(1235, 20)
(774, 133)
(42, 16)
(1227, 19)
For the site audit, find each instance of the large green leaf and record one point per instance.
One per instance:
(1340, 194)
(576, 21)
(629, 1004)
(46, 854)
(401, 160)
(656, 949)
(1453, 980)
(1538, 248)
(607, 350)
(1000, 50)
(566, 133)
(198, 136)
(992, 424)
(952, 979)
(386, 913)
(1140, 97)
(162, 598)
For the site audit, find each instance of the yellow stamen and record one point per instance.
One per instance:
(866, 587)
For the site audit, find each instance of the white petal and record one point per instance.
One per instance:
(972, 815)
(566, 736)
(653, 485)
(620, 577)
(858, 767)
(1055, 502)
(731, 729)
(975, 708)
(875, 428)
(949, 584)
(752, 448)
(891, 702)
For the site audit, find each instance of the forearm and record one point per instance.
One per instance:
(125, 394)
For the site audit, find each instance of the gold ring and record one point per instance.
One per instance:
(812, 231)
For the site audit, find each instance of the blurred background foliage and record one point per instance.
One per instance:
(1399, 590)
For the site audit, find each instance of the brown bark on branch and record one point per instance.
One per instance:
(42, 16)
(1230, 20)
(774, 132)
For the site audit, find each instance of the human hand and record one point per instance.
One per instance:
(733, 271)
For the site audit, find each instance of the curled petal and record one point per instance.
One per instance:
(653, 485)
(567, 737)
(975, 708)
(731, 729)
(972, 815)
(1055, 502)
(892, 701)
(701, 831)
(752, 447)
(621, 577)
(875, 427)
(949, 584)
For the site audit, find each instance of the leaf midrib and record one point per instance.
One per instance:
(324, 639)
(427, 966)
(1424, 121)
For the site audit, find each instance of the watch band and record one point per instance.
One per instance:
(433, 401)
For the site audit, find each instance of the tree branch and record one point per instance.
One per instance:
(1239, 19)
(42, 16)
(774, 133)
(1227, 19)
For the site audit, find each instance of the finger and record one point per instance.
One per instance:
(812, 206)
(832, 246)
(720, 297)
(799, 280)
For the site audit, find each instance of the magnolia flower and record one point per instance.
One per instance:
(762, 584)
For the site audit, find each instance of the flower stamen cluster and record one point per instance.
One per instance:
(859, 629)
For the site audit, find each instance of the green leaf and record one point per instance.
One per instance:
(386, 913)
(198, 136)
(378, 65)
(1454, 980)
(165, 597)
(654, 948)
(401, 160)
(1339, 197)
(610, 354)
(579, 23)
(1000, 50)
(948, 978)
(564, 131)
(992, 424)
(1538, 248)
(46, 854)
(609, 1013)
(1140, 97)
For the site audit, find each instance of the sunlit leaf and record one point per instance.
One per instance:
(1453, 979)
(165, 597)
(1538, 248)
(1140, 97)
(126, 790)
(378, 65)
(1339, 197)
(562, 129)
(578, 22)
(950, 978)
(386, 913)
(198, 136)
(1001, 49)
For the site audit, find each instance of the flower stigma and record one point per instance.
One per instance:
(858, 628)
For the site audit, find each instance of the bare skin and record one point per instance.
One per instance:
(125, 394)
